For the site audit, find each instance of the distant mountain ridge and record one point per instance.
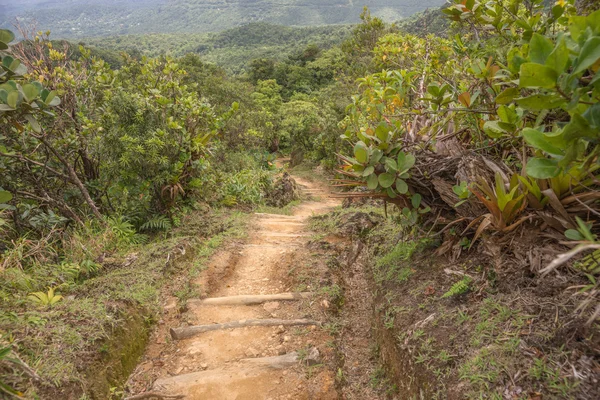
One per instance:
(85, 18)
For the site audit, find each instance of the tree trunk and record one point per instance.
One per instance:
(74, 179)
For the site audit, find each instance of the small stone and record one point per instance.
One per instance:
(286, 338)
(178, 370)
(204, 366)
(313, 358)
(252, 352)
(271, 306)
(280, 350)
(280, 329)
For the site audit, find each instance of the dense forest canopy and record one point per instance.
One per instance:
(231, 49)
(485, 138)
(84, 18)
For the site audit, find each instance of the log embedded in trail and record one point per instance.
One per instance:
(283, 216)
(284, 361)
(155, 395)
(190, 331)
(250, 299)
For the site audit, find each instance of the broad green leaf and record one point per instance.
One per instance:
(579, 127)
(372, 182)
(14, 66)
(542, 168)
(573, 234)
(35, 125)
(540, 48)
(592, 115)
(12, 99)
(6, 61)
(31, 92)
(416, 200)
(590, 53)
(557, 11)
(540, 141)
(401, 186)
(405, 161)
(577, 25)
(376, 156)
(386, 180)
(507, 95)
(593, 21)
(536, 75)
(559, 58)
(381, 132)
(390, 165)
(52, 100)
(368, 171)
(507, 115)
(493, 129)
(539, 102)
(361, 153)
(6, 36)
(5, 196)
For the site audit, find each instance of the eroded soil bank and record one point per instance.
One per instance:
(479, 324)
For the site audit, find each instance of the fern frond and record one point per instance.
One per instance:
(459, 287)
(157, 223)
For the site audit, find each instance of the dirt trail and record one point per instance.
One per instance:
(253, 362)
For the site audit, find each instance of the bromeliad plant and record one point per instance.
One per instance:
(504, 206)
(521, 86)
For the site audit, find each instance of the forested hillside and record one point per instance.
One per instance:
(467, 163)
(232, 49)
(85, 18)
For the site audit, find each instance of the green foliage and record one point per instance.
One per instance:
(45, 299)
(460, 287)
(7, 357)
(124, 231)
(85, 18)
(156, 223)
(527, 93)
(234, 50)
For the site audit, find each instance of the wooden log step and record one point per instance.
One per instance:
(248, 300)
(232, 381)
(278, 362)
(281, 234)
(191, 331)
(272, 246)
(273, 221)
(283, 216)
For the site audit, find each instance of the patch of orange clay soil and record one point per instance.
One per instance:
(252, 362)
